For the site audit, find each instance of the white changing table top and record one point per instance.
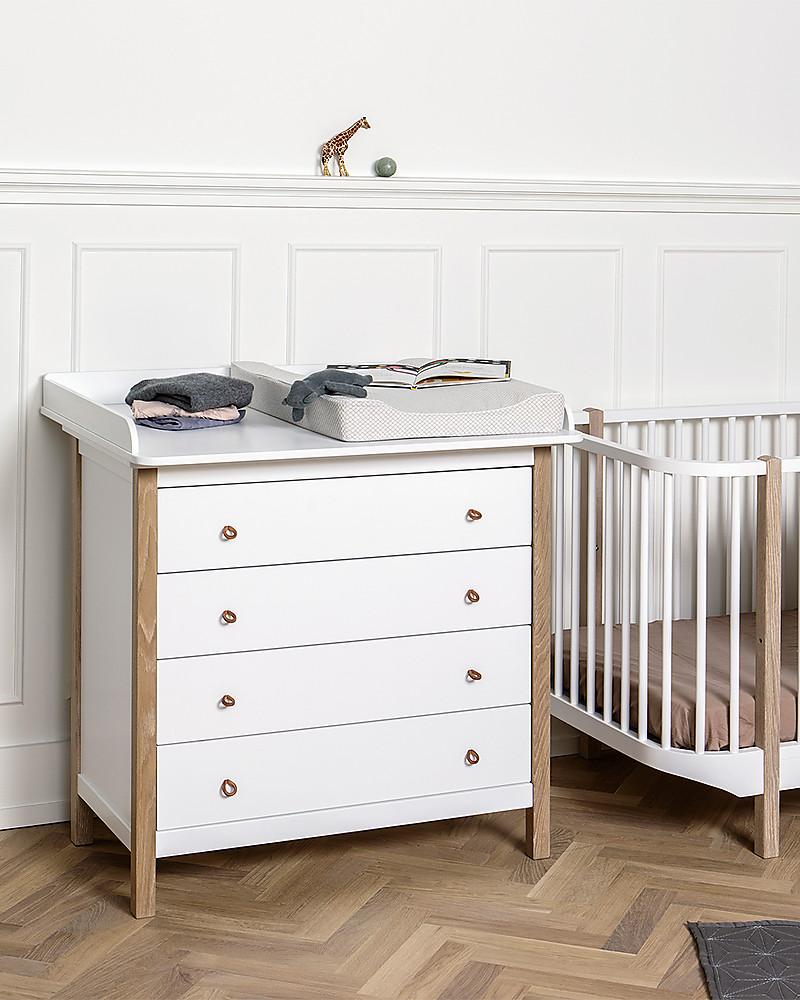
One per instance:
(90, 406)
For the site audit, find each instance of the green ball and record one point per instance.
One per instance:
(385, 166)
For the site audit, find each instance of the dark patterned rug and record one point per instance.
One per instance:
(756, 960)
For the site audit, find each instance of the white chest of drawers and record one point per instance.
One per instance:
(280, 636)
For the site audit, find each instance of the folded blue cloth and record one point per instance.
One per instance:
(185, 423)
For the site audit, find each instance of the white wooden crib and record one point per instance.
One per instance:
(670, 594)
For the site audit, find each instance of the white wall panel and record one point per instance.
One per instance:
(792, 283)
(376, 303)
(144, 270)
(154, 306)
(541, 302)
(13, 342)
(722, 327)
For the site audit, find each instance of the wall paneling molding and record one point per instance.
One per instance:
(297, 251)
(193, 269)
(80, 252)
(11, 684)
(490, 252)
(779, 295)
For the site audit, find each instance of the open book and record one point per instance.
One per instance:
(447, 371)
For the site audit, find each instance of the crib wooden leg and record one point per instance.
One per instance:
(767, 833)
(590, 748)
(768, 655)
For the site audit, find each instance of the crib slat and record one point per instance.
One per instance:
(676, 576)
(730, 455)
(784, 436)
(609, 554)
(644, 579)
(734, 602)
(575, 582)
(591, 581)
(653, 594)
(625, 713)
(666, 621)
(702, 602)
(558, 560)
(705, 449)
(757, 435)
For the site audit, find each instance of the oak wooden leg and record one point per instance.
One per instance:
(590, 748)
(767, 825)
(768, 655)
(143, 719)
(81, 816)
(537, 818)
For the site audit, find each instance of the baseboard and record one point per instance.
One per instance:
(565, 746)
(34, 814)
(34, 784)
(564, 740)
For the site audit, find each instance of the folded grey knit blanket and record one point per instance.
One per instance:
(194, 392)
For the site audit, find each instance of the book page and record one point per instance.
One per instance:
(463, 369)
(443, 371)
(392, 375)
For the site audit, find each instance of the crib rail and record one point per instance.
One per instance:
(718, 436)
(710, 412)
(660, 518)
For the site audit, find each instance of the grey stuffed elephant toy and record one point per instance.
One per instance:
(331, 381)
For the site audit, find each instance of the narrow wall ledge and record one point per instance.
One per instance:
(80, 187)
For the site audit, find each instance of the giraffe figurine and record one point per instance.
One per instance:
(337, 146)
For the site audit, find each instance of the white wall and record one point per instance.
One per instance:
(608, 89)
(607, 290)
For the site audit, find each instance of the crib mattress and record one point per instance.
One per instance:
(684, 638)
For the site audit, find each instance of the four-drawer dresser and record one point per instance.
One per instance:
(278, 635)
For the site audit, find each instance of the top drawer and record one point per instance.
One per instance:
(261, 524)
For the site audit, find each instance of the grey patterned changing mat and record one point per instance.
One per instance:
(504, 407)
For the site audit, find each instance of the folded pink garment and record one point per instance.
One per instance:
(155, 408)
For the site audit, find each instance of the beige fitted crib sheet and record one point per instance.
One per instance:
(684, 639)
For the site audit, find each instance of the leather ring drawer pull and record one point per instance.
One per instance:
(472, 596)
(228, 788)
(474, 675)
(472, 757)
(474, 515)
(229, 532)
(228, 700)
(228, 617)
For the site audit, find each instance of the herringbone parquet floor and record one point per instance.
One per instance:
(442, 911)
